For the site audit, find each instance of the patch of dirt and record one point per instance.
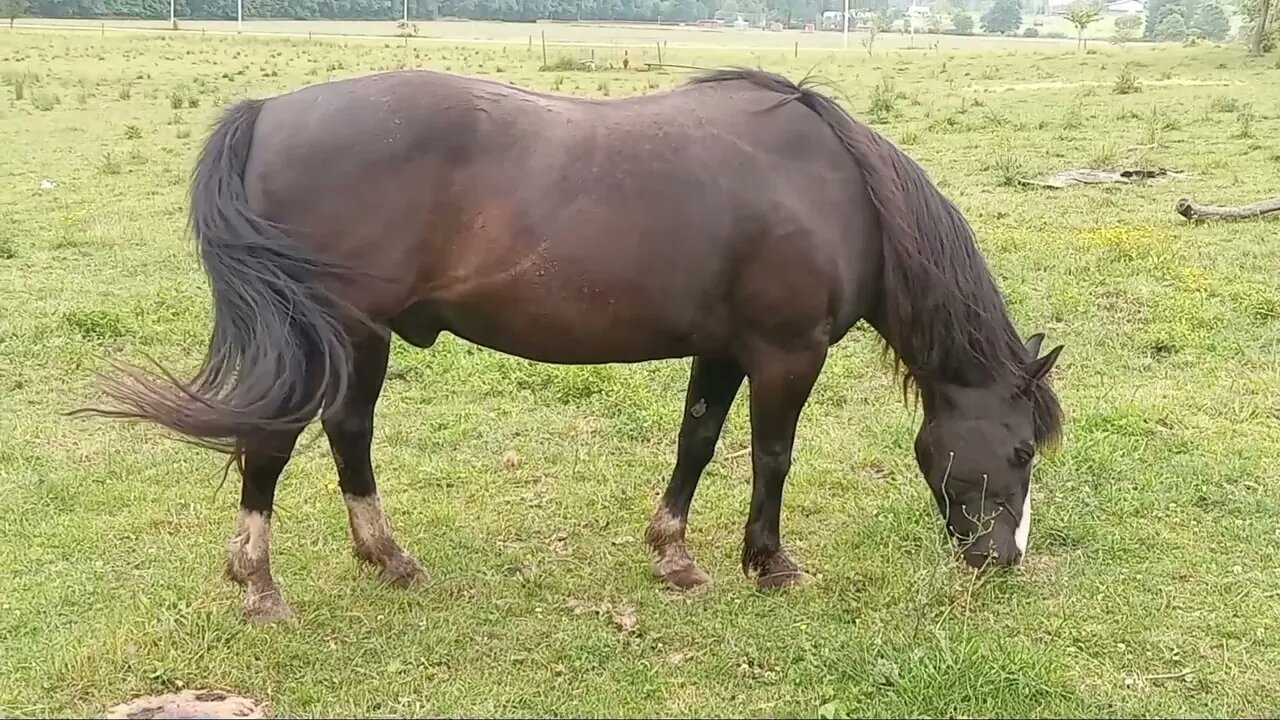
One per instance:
(189, 704)
(1058, 84)
(622, 617)
(1088, 176)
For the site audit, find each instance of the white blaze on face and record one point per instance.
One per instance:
(1023, 532)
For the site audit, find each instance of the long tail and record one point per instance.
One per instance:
(279, 350)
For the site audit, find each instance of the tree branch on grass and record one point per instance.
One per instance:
(1193, 211)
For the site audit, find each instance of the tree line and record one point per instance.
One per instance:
(756, 11)
(512, 10)
(1165, 20)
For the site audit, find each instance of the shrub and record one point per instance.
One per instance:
(1126, 82)
(1224, 104)
(884, 101)
(44, 101)
(1129, 22)
(111, 164)
(1008, 168)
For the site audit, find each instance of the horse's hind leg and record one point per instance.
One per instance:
(249, 551)
(713, 383)
(350, 432)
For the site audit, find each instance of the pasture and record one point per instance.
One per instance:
(524, 489)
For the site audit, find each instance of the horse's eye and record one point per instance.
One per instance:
(1022, 455)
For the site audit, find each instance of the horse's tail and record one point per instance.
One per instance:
(279, 350)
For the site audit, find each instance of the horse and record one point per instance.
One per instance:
(741, 220)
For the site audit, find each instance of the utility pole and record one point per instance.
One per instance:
(239, 15)
(406, 12)
(846, 24)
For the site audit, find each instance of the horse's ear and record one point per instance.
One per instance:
(1033, 345)
(1038, 369)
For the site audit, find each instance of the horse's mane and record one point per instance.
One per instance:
(944, 320)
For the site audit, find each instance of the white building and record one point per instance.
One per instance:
(1127, 7)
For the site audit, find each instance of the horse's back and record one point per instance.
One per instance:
(677, 215)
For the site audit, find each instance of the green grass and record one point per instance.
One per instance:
(1151, 584)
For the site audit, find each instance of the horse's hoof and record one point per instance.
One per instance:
(685, 578)
(404, 571)
(267, 607)
(234, 573)
(784, 580)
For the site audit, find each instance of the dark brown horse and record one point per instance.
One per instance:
(742, 220)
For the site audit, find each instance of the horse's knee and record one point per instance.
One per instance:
(772, 465)
(699, 445)
(349, 426)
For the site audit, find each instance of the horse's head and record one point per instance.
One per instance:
(976, 448)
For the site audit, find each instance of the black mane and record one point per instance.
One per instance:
(944, 318)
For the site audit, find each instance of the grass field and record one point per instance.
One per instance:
(1151, 587)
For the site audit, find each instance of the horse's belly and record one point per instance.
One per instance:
(553, 328)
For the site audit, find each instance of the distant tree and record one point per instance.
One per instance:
(1005, 16)
(963, 23)
(1082, 16)
(1260, 23)
(1172, 29)
(1129, 22)
(1211, 21)
(940, 11)
(878, 23)
(13, 9)
(1127, 27)
(1159, 10)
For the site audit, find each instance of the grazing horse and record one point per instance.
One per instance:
(742, 220)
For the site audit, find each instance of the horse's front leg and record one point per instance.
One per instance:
(713, 383)
(780, 380)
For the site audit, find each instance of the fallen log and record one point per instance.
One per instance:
(1193, 211)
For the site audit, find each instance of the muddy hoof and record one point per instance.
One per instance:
(404, 571)
(267, 607)
(233, 572)
(685, 577)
